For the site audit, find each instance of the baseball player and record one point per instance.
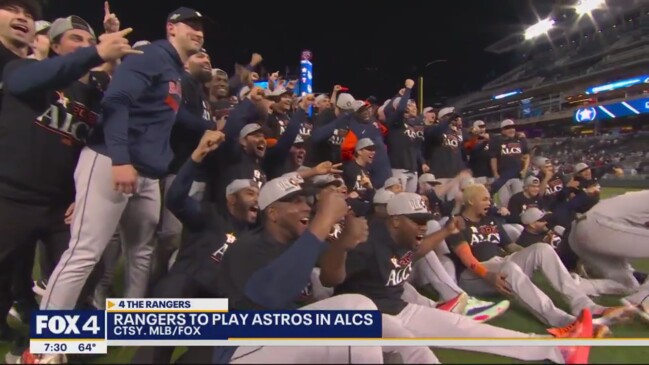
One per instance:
(379, 267)
(394, 184)
(402, 139)
(272, 266)
(117, 174)
(536, 230)
(476, 250)
(613, 232)
(356, 174)
(509, 162)
(477, 149)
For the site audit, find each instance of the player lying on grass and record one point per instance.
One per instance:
(380, 266)
(476, 251)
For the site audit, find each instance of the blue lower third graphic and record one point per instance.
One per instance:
(242, 324)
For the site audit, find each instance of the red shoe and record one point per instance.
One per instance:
(29, 358)
(581, 328)
(455, 305)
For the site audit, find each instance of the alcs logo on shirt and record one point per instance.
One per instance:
(401, 270)
(485, 233)
(513, 148)
(217, 255)
(68, 118)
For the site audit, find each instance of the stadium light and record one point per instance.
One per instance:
(587, 6)
(540, 28)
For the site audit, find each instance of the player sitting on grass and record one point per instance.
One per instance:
(476, 250)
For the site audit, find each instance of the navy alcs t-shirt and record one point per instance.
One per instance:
(486, 238)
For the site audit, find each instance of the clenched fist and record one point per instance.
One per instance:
(410, 83)
(209, 142)
(356, 231)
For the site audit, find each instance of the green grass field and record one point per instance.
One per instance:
(516, 318)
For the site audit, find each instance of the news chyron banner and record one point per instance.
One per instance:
(187, 322)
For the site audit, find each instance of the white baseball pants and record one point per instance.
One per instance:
(99, 211)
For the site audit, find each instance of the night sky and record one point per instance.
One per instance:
(370, 47)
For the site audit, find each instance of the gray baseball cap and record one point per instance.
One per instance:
(531, 180)
(428, 178)
(364, 143)
(478, 124)
(581, 167)
(249, 129)
(427, 109)
(392, 181)
(237, 185)
(321, 181)
(532, 215)
(320, 98)
(445, 111)
(540, 161)
(62, 25)
(382, 196)
(42, 26)
(345, 101)
(506, 123)
(410, 205)
(280, 189)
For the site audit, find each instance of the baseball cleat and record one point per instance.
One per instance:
(642, 309)
(29, 358)
(482, 311)
(455, 305)
(614, 315)
(581, 328)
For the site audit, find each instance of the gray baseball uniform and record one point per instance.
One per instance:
(323, 355)
(611, 233)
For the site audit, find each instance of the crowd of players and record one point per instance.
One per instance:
(209, 186)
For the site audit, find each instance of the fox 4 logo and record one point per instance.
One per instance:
(66, 325)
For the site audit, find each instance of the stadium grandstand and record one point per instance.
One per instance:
(581, 83)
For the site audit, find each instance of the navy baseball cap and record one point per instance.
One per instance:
(183, 14)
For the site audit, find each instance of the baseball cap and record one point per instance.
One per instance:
(532, 215)
(364, 143)
(410, 205)
(32, 6)
(360, 104)
(216, 71)
(541, 161)
(581, 167)
(183, 14)
(345, 101)
(427, 109)
(249, 129)
(506, 123)
(280, 189)
(238, 185)
(391, 181)
(478, 124)
(321, 181)
(42, 26)
(382, 196)
(320, 98)
(62, 25)
(141, 43)
(277, 93)
(445, 111)
(467, 181)
(531, 180)
(298, 139)
(428, 178)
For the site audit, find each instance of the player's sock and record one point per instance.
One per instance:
(455, 305)
(581, 328)
(482, 311)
